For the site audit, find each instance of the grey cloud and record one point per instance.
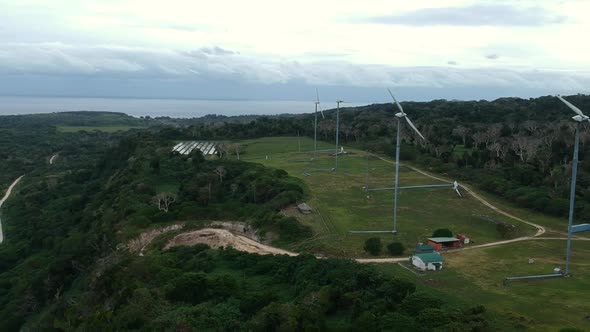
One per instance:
(216, 50)
(492, 56)
(452, 63)
(474, 15)
(125, 63)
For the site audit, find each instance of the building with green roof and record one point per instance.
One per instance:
(427, 261)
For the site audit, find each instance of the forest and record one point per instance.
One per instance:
(64, 265)
(519, 149)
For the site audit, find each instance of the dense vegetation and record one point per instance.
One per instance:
(516, 148)
(193, 288)
(68, 219)
(64, 265)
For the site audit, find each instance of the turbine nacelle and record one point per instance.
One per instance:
(581, 118)
(403, 114)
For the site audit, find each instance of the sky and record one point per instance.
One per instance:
(283, 50)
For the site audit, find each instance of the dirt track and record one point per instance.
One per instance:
(52, 159)
(8, 192)
(217, 238)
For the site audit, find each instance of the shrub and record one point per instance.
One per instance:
(396, 248)
(442, 232)
(373, 246)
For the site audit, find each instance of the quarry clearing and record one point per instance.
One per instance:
(217, 238)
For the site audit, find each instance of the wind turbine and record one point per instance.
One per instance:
(579, 118)
(454, 185)
(338, 102)
(400, 115)
(315, 127)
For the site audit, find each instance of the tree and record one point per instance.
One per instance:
(462, 132)
(155, 165)
(196, 157)
(442, 232)
(396, 248)
(373, 246)
(220, 171)
(237, 147)
(164, 200)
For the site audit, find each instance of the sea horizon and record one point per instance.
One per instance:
(158, 107)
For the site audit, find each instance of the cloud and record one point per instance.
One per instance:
(216, 50)
(474, 15)
(452, 63)
(218, 64)
(492, 56)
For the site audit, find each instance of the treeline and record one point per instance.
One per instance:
(80, 118)
(67, 220)
(198, 289)
(520, 149)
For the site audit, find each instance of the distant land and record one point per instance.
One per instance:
(174, 108)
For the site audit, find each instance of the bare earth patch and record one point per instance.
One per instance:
(217, 238)
(139, 244)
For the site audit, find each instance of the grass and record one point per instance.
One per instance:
(469, 277)
(459, 150)
(107, 129)
(475, 277)
(341, 205)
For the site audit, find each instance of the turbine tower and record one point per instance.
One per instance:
(338, 102)
(400, 115)
(579, 118)
(315, 126)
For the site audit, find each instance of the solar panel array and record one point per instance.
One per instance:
(207, 148)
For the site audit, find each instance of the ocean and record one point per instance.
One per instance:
(174, 108)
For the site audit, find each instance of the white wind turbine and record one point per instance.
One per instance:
(400, 115)
(454, 185)
(315, 126)
(579, 118)
(338, 150)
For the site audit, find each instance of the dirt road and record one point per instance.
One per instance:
(217, 238)
(8, 192)
(540, 229)
(52, 159)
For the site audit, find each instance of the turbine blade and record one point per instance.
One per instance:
(458, 192)
(395, 100)
(317, 95)
(321, 111)
(414, 127)
(570, 105)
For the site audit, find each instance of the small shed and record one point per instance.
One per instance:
(428, 261)
(304, 208)
(463, 238)
(440, 243)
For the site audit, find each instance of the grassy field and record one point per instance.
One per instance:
(341, 205)
(469, 277)
(108, 129)
(476, 276)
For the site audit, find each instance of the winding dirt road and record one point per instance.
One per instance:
(52, 159)
(8, 192)
(540, 229)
